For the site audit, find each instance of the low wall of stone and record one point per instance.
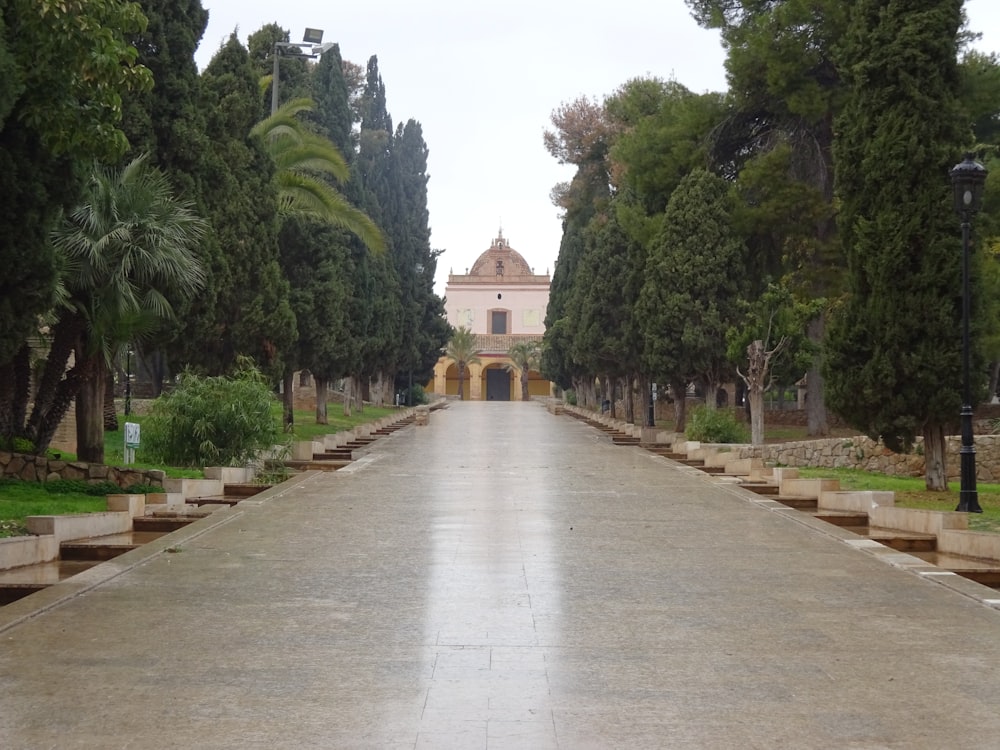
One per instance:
(42, 469)
(862, 452)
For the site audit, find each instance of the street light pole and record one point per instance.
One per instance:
(311, 40)
(967, 179)
(128, 382)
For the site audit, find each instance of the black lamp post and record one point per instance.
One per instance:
(128, 382)
(967, 179)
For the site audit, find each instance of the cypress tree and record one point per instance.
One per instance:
(246, 311)
(893, 354)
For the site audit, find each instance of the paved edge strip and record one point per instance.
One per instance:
(965, 587)
(58, 594)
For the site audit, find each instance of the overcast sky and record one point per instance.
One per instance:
(483, 78)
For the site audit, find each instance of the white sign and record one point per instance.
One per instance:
(131, 442)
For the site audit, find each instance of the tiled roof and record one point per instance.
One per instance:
(497, 343)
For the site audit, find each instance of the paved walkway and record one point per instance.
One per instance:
(503, 578)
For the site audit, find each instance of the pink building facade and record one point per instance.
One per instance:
(502, 301)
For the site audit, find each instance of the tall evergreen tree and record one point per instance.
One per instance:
(582, 137)
(60, 108)
(245, 310)
(786, 89)
(695, 280)
(893, 359)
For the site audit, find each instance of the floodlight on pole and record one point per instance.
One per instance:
(311, 39)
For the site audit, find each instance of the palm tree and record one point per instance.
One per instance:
(524, 356)
(302, 159)
(462, 350)
(122, 250)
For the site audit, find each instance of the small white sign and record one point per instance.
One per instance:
(131, 435)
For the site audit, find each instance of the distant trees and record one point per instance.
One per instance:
(463, 352)
(721, 203)
(287, 292)
(524, 357)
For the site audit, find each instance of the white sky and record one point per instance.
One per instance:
(483, 79)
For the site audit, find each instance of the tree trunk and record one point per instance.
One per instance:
(348, 394)
(815, 400)
(15, 391)
(629, 399)
(90, 414)
(525, 374)
(288, 399)
(679, 389)
(65, 335)
(994, 381)
(756, 397)
(321, 396)
(756, 379)
(711, 393)
(935, 470)
(461, 381)
(110, 409)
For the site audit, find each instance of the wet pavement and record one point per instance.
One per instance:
(502, 578)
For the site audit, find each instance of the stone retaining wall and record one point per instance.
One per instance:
(864, 453)
(42, 469)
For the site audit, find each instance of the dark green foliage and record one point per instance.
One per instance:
(244, 309)
(694, 281)
(52, 125)
(212, 421)
(606, 340)
(893, 362)
(413, 396)
(715, 426)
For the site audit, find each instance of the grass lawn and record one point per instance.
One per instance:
(911, 493)
(21, 499)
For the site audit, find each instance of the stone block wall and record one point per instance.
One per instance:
(42, 469)
(862, 452)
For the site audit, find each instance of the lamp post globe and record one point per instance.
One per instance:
(968, 178)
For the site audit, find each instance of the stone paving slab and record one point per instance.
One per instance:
(504, 578)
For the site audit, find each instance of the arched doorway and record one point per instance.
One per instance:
(498, 383)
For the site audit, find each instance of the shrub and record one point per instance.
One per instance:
(414, 396)
(570, 396)
(212, 421)
(715, 426)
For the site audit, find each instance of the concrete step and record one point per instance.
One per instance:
(324, 465)
(903, 541)
(761, 488)
(985, 572)
(844, 519)
(213, 500)
(163, 523)
(102, 548)
(244, 490)
(799, 502)
(17, 583)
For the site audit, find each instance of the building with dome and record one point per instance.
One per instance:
(502, 301)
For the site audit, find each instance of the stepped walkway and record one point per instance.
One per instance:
(501, 578)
